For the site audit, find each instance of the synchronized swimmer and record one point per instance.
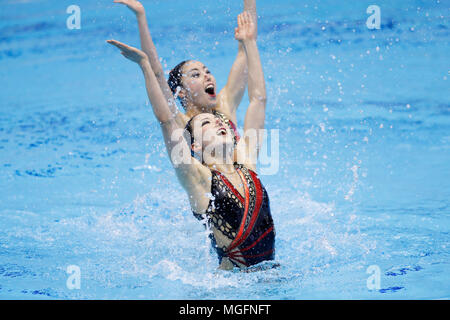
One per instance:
(220, 177)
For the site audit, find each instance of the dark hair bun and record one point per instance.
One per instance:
(175, 77)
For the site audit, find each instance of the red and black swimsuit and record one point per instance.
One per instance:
(244, 219)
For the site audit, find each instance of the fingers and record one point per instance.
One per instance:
(118, 44)
(122, 47)
(240, 20)
(248, 17)
(114, 43)
(244, 19)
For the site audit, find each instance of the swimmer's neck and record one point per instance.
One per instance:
(192, 110)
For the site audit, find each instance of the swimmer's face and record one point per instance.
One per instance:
(209, 132)
(198, 85)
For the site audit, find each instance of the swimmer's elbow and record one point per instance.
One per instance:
(263, 99)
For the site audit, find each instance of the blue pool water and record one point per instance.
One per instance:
(364, 148)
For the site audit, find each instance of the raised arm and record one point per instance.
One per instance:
(246, 33)
(148, 46)
(237, 79)
(250, 7)
(193, 176)
(255, 115)
(163, 109)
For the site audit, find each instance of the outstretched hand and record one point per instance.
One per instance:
(129, 52)
(246, 29)
(133, 5)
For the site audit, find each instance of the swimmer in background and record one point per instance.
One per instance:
(227, 195)
(192, 82)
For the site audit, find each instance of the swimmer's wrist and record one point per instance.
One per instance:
(139, 10)
(140, 14)
(145, 65)
(246, 42)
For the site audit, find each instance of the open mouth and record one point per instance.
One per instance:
(222, 132)
(210, 90)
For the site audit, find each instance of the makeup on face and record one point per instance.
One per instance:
(200, 79)
(210, 122)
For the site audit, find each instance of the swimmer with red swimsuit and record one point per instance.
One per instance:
(244, 219)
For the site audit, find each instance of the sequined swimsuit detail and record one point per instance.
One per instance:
(244, 219)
